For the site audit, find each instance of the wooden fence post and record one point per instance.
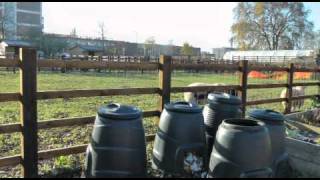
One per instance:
(289, 88)
(28, 109)
(164, 80)
(317, 60)
(243, 84)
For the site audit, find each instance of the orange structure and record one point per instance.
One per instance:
(296, 76)
(257, 74)
(302, 75)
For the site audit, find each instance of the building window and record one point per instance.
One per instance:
(29, 6)
(28, 30)
(28, 18)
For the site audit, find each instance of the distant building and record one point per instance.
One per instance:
(219, 52)
(85, 50)
(113, 47)
(207, 56)
(21, 18)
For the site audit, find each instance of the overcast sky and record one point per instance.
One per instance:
(202, 24)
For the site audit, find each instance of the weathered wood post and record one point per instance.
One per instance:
(164, 81)
(64, 68)
(289, 88)
(243, 83)
(28, 109)
(317, 73)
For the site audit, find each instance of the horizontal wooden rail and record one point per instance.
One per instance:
(10, 128)
(145, 65)
(304, 97)
(132, 66)
(10, 161)
(307, 70)
(47, 154)
(6, 97)
(267, 68)
(306, 84)
(204, 88)
(95, 92)
(51, 63)
(81, 121)
(97, 64)
(217, 67)
(262, 86)
(66, 122)
(9, 63)
(265, 101)
(13, 128)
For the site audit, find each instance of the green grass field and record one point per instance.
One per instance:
(78, 107)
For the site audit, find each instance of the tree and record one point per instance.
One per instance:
(149, 46)
(4, 23)
(51, 46)
(317, 40)
(186, 49)
(314, 41)
(102, 35)
(271, 25)
(309, 41)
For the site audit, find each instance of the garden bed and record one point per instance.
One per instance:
(303, 142)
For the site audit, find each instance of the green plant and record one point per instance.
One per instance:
(62, 161)
(315, 102)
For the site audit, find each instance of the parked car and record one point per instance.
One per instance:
(65, 56)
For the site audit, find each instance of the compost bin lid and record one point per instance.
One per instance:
(119, 111)
(182, 106)
(223, 98)
(266, 114)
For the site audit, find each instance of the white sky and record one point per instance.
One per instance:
(202, 24)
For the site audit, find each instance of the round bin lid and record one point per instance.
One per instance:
(223, 98)
(182, 106)
(266, 114)
(119, 111)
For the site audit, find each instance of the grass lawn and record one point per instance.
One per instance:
(66, 108)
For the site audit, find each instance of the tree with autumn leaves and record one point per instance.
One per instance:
(272, 26)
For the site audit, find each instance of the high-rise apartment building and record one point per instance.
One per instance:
(20, 18)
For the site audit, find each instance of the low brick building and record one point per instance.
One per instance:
(85, 50)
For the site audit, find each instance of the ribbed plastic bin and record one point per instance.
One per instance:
(242, 148)
(275, 123)
(181, 131)
(118, 145)
(220, 106)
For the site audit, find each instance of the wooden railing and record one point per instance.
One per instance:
(278, 60)
(28, 97)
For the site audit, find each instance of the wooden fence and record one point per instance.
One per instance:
(306, 61)
(28, 97)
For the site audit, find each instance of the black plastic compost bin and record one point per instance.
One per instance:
(242, 148)
(275, 123)
(220, 106)
(181, 130)
(118, 145)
